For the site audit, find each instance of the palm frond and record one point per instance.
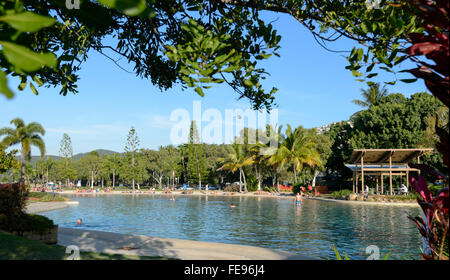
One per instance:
(18, 122)
(39, 143)
(35, 127)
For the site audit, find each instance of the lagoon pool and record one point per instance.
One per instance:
(259, 221)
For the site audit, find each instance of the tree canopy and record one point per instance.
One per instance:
(196, 43)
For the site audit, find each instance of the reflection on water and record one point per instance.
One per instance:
(274, 223)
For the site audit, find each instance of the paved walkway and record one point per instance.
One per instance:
(36, 207)
(409, 204)
(115, 243)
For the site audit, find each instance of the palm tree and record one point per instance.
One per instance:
(237, 160)
(275, 136)
(297, 148)
(263, 150)
(371, 96)
(26, 136)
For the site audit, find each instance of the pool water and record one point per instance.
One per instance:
(310, 229)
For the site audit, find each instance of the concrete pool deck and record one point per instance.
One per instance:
(37, 207)
(126, 244)
(408, 204)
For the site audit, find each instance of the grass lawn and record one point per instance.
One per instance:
(44, 197)
(14, 247)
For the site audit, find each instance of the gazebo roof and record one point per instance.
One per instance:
(381, 156)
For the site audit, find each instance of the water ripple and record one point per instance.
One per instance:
(310, 229)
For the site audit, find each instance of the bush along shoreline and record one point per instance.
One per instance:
(351, 196)
(14, 219)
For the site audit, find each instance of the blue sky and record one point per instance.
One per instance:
(314, 89)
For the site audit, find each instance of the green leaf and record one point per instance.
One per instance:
(25, 58)
(128, 7)
(408, 80)
(28, 21)
(370, 67)
(4, 86)
(37, 80)
(364, 27)
(22, 86)
(338, 256)
(360, 54)
(356, 73)
(33, 89)
(200, 91)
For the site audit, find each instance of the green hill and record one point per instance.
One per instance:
(101, 152)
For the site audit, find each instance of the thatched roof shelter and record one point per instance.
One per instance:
(383, 162)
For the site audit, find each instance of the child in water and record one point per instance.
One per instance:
(298, 199)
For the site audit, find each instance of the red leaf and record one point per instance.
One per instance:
(421, 186)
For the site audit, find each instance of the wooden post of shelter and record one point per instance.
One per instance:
(356, 178)
(407, 180)
(376, 191)
(390, 174)
(362, 174)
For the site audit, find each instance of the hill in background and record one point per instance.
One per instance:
(101, 152)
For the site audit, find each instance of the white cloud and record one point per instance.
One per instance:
(97, 129)
(70, 131)
(158, 121)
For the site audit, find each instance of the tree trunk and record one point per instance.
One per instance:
(92, 179)
(278, 181)
(132, 167)
(295, 174)
(114, 179)
(316, 173)
(245, 182)
(199, 181)
(22, 167)
(173, 179)
(259, 180)
(240, 180)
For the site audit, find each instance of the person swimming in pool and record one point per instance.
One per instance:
(232, 205)
(79, 221)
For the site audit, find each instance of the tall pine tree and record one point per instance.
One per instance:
(196, 161)
(131, 150)
(67, 169)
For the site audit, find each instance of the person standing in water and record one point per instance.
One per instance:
(298, 199)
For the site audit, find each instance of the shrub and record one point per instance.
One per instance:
(252, 183)
(12, 211)
(270, 189)
(341, 193)
(296, 187)
(12, 207)
(45, 197)
(39, 223)
(231, 188)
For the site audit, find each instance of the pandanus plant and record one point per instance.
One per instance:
(434, 223)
